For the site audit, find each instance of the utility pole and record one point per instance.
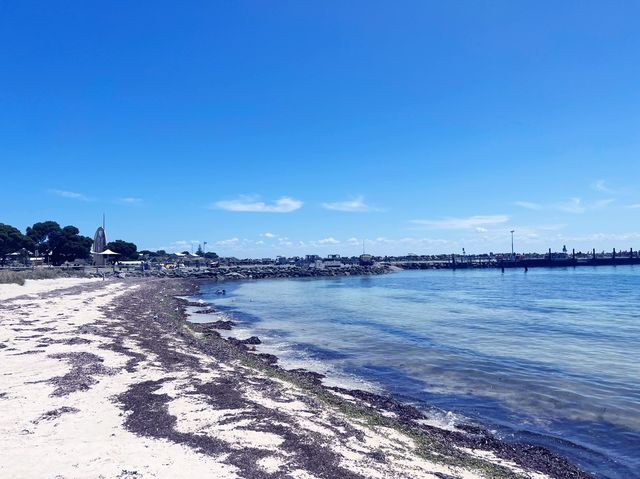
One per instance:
(204, 249)
(512, 256)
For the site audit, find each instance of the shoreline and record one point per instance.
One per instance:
(306, 326)
(470, 436)
(118, 377)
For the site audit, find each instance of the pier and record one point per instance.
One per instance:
(548, 260)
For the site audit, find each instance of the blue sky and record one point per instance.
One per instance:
(269, 128)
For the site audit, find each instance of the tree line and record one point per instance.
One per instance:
(58, 244)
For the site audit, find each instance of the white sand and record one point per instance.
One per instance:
(36, 286)
(91, 443)
(91, 440)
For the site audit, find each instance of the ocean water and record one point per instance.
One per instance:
(551, 356)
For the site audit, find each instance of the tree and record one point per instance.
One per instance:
(200, 252)
(68, 245)
(127, 251)
(39, 234)
(210, 255)
(11, 240)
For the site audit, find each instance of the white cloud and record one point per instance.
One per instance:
(130, 200)
(355, 205)
(599, 237)
(602, 203)
(382, 245)
(269, 235)
(601, 185)
(178, 246)
(228, 242)
(478, 239)
(463, 223)
(529, 205)
(185, 242)
(635, 206)
(577, 206)
(253, 204)
(328, 241)
(573, 205)
(70, 194)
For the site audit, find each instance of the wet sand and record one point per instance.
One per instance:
(108, 379)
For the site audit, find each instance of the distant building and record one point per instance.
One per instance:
(366, 259)
(36, 260)
(333, 261)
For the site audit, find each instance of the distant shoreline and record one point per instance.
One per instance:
(262, 271)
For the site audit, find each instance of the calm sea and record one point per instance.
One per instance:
(551, 356)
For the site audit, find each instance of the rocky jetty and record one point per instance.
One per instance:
(248, 272)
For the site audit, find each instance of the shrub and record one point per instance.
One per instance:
(7, 277)
(19, 277)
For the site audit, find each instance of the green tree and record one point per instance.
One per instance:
(127, 251)
(11, 240)
(200, 252)
(68, 245)
(39, 234)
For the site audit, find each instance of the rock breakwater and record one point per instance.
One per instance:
(247, 272)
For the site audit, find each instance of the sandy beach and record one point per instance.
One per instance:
(107, 379)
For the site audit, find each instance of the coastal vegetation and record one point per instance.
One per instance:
(11, 240)
(56, 245)
(59, 245)
(46, 238)
(127, 251)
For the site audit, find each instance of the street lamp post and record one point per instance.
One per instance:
(512, 256)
